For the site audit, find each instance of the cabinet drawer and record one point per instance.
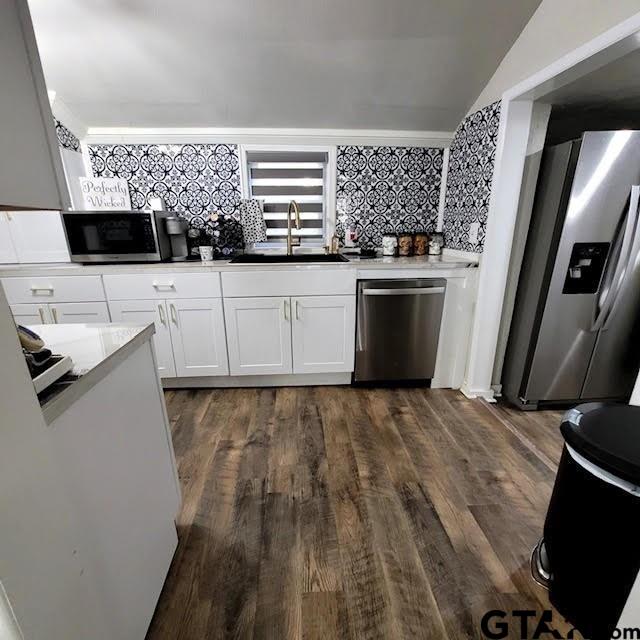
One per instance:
(162, 286)
(53, 289)
(299, 282)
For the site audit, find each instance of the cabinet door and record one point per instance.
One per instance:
(324, 329)
(32, 177)
(8, 253)
(198, 337)
(258, 335)
(38, 236)
(145, 312)
(79, 312)
(29, 314)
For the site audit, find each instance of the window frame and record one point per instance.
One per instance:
(329, 188)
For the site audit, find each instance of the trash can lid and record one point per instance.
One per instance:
(607, 435)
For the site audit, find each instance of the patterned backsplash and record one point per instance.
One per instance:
(66, 139)
(194, 179)
(379, 189)
(387, 190)
(471, 160)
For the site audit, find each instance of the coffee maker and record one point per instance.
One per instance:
(177, 231)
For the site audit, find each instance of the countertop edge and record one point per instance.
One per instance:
(53, 409)
(71, 269)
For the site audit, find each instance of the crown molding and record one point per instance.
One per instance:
(181, 135)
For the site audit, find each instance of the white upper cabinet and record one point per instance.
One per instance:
(74, 169)
(258, 335)
(37, 236)
(323, 334)
(198, 337)
(32, 176)
(146, 312)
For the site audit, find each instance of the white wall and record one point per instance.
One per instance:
(555, 29)
(74, 168)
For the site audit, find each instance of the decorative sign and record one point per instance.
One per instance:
(99, 194)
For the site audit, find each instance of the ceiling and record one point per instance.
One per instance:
(615, 86)
(363, 64)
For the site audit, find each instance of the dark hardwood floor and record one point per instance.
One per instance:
(332, 512)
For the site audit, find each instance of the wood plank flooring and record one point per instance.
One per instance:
(332, 512)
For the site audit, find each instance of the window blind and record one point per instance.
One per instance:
(276, 178)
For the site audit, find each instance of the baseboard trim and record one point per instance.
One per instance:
(282, 380)
(486, 394)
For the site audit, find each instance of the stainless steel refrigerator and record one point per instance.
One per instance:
(575, 332)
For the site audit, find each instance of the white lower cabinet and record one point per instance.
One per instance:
(61, 313)
(258, 335)
(308, 334)
(79, 312)
(27, 314)
(198, 332)
(323, 334)
(145, 312)
(198, 337)
(189, 338)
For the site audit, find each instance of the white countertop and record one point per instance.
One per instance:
(71, 268)
(95, 350)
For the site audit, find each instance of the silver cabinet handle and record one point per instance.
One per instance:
(163, 318)
(286, 310)
(415, 291)
(47, 290)
(174, 314)
(54, 313)
(41, 314)
(297, 310)
(159, 286)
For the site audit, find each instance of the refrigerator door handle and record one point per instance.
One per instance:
(634, 256)
(629, 242)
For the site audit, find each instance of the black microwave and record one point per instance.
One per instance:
(117, 236)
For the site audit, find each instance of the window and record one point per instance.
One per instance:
(278, 176)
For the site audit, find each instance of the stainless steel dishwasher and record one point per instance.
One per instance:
(397, 330)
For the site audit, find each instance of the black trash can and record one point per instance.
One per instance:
(589, 556)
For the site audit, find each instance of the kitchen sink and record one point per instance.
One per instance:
(270, 258)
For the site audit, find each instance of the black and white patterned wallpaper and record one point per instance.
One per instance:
(471, 161)
(66, 139)
(387, 190)
(195, 179)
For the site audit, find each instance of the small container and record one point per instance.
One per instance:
(193, 240)
(436, 242)
(389, 244)
(206, 253)
(420, 244)
(351, 236)
(405, 245)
